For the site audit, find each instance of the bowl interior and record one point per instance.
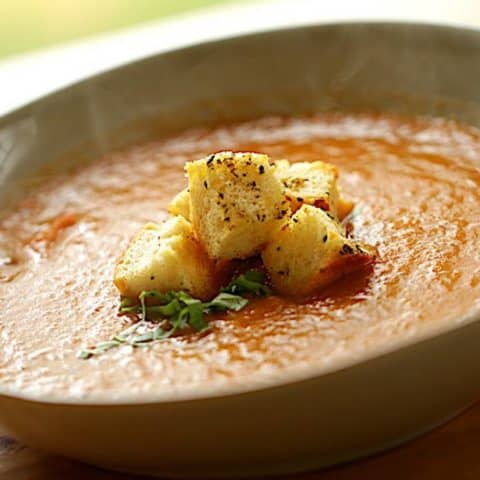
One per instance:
(401, 68)
(404, 68)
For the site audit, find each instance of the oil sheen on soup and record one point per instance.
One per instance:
(417, 184)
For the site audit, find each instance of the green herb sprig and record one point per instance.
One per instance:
(252, 282)
(175, 311)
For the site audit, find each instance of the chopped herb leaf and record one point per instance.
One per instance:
(195, 314)
(227, 301)
(175, 311)
(250, 282)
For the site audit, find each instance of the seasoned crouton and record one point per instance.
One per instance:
(235, 203)
(167, 257)
(310, 251)
(297, 195)
(180, 205)
(312, 183)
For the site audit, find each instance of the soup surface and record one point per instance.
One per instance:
(417, 182)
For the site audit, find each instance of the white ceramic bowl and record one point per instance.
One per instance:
(313, 419)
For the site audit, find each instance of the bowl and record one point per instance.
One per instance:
(370, 402)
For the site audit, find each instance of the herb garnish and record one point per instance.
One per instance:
(252, 281)
(176, 311)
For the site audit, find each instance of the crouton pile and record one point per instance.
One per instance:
(240, 205)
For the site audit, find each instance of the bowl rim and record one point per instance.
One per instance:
(281, 379)
(30, 107)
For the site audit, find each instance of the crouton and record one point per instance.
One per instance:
(180, 205)
(236, 201)
(309, 251)
(167, 257)
(312, 183)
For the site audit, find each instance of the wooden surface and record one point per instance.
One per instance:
(451, 452)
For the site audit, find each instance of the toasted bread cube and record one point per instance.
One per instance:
(180, 205)
(236, 201)
(312, 183)
(167, 257)
(310, 251)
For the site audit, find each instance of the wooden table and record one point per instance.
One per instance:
(451, 452)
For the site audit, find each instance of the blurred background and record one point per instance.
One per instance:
(32, 24)
(28, 25)
(47, 44)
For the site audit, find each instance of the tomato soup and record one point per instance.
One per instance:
(417, 186)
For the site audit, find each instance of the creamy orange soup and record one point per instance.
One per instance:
(416, 182)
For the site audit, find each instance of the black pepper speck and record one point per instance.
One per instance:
(346, 250)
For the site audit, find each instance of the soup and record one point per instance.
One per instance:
(416, 182)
